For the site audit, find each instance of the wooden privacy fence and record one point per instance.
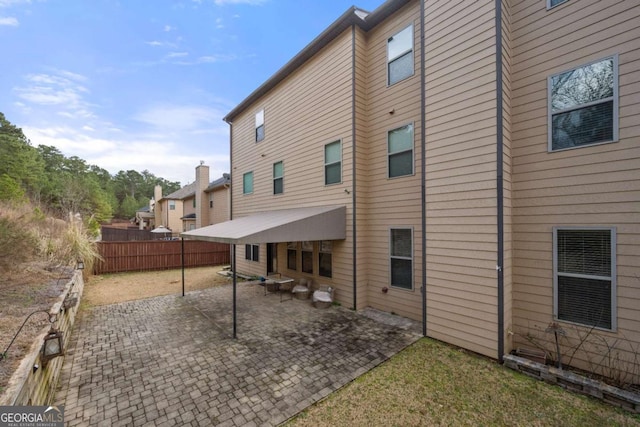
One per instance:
(110, 234)
(159, 255)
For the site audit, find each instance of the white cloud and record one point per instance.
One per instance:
(154, 43)
(181, 118)
(9, 21)
(177, 54)
(61, 89)
(168, 28)
(219, 23)
(162, 156)
(9, 3)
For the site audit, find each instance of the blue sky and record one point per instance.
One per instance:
(144, 84)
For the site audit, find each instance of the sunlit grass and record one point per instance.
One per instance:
(430, 383)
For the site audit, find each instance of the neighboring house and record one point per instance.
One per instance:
(193, 205)
(495, 168)
(145, 218)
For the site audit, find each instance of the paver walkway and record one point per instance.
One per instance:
(171, 360)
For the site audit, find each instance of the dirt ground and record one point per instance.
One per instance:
(25, 292)
(114, 288)
(34, 288)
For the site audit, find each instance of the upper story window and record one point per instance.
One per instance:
(247, 183)
(400, 151)
(259, 125)
(194, 202)
(333, 163)
(278, 178)
(400, 56)
(210, 200)
(583, 105)
(172, 205)
(554, 3)
(584, 276)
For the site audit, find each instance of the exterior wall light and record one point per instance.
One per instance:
(53, 341)
(80, 265)
(53, 346)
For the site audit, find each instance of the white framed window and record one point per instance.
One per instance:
(324, 258)
(252, 252)
(400, 56)
(554, 3)
(584, 276)
(333, 163)
(278, 178)
(400, 151)
(172, 205)
(583, 105)
(401, 258)
(247, 183)
(307, 257)
(211, 200)
(259, 125)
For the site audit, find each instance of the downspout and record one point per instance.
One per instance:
(499, 179)
(353, 163)
(423, 162)
(233, 247)
(234, 273)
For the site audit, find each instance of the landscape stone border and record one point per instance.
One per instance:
(33, 383)
(574, 382)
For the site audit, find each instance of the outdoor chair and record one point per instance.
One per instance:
(322, 297)
(301, 290)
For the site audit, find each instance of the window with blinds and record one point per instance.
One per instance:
(583, 105)
(584, 276)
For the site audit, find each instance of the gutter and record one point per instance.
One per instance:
(353, 164)
(423, 161)
(500, 179)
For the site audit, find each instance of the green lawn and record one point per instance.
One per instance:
(431, 383)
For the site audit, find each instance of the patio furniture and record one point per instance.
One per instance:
(279, 284)
(322, 297)
(301, 289)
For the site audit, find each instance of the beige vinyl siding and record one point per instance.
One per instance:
(461, 174)
(171, 218)
(595, 186)
(306, 111)
(220, 211)
(390, 202)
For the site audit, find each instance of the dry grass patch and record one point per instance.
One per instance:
(121, 287)
(431, 383)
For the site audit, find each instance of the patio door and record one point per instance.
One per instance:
(272, 258)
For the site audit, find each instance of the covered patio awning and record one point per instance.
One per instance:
(284, 225)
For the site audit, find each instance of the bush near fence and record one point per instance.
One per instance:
(118, 257)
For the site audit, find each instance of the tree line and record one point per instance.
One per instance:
(63, 185)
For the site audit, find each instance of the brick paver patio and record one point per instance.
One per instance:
(171, 360)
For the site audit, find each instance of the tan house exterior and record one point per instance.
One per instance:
(192, 206)
(472, 162)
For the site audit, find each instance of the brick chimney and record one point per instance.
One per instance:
(202, 182)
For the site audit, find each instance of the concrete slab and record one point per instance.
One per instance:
(172, 360)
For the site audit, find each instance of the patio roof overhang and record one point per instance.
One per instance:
(285, 225)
